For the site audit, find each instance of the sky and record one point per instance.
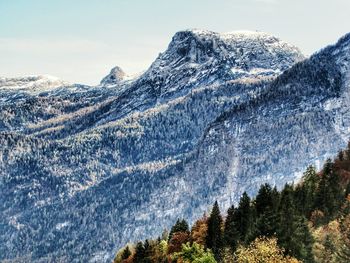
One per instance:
(81, 40)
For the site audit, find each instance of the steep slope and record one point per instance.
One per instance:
(197, 57)
(307, 106)
(79, 163)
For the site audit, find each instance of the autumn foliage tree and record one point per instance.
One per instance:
(263, 250)
(177, 240)
(327, 242)
(344, 251)
(181, 225)
(194, 253)
(199, 231)
(308, 221)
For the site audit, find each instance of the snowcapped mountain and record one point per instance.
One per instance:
(196, 57)
(31, 83)
(85, 169)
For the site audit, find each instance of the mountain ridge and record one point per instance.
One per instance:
(99, 158)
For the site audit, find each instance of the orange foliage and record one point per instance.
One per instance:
(199, 231)
(129, 259)
(175, 243)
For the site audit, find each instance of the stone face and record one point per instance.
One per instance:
(114, 77)
(86, 169)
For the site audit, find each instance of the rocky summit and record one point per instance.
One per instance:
(85, 169)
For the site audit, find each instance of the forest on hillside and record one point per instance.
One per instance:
(304, 222)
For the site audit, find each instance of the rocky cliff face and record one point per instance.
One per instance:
(85, 169)
(114, 77)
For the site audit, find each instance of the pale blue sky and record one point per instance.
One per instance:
(80, 40)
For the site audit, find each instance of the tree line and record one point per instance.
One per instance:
(304, 222)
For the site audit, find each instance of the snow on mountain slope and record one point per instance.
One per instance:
(197, 57)
(31, 83)
(116, 76)
(85, 169)
(301, 116)
(173, 74)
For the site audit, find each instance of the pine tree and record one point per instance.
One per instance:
(336, 192)
(264, 200)
(321, 200)
(329, 194)
(231, 234)
(244, 219)
(301, 199)
(148, 252)
(140, 253)
(266, 211)
(126, 253)
(266, 224)
(286, 218)
(275, 198)
(293, 232)
(304, 239)
(310, 182)
(214, 239)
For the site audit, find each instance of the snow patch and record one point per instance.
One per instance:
(60, 226)
(14, 222)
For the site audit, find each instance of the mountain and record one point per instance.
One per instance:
(114, 77)
(85, 169)
(306, 105)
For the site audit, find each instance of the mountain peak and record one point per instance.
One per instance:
(207, 33)
(198, 46)
(195, 57)
(115, 76)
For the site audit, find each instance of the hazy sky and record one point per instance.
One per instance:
(81, 40)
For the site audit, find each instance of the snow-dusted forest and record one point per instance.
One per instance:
(85, 169)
